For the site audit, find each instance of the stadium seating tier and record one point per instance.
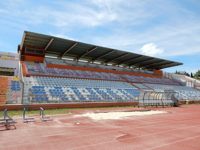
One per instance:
(59, 90)
(41, 69)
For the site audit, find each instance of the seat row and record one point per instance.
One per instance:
(40, 69)
(70, 91)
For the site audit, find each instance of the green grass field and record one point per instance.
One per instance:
(36, 112)
(12, 113)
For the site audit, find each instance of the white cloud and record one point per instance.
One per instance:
(151, 49)
(128, 25)
(69, 14)
(83, 14)
(177, 40)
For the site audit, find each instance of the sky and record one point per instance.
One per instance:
(168, 29)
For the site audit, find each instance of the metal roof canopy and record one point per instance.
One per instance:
(61, 48)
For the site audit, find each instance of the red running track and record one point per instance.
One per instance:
(179, 129)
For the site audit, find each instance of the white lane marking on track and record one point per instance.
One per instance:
(177, 141)
(111, 141)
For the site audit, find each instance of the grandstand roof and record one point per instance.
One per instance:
(59, 47)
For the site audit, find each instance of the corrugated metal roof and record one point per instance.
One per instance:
(60, 47)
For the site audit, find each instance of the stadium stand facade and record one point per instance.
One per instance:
(9, 64)
(54, 70)
(10, 91)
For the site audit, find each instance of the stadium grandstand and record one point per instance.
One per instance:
(49, 70)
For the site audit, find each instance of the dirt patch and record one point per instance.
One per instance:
(119, 115)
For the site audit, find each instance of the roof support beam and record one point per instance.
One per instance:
(153, 65)
(136, 60)
(87, 52)
(147, 61)
(70, 48)
(105, 54)
(48, 44)
(136, 57)
(121, 56)
(167, 65)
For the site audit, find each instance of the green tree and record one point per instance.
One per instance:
(191, 75)
(197, 74)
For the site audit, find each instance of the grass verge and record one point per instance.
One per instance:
(12, 113)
